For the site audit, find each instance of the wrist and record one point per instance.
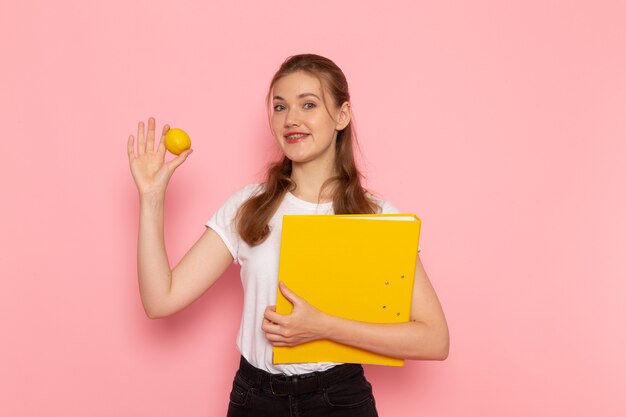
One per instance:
(152, 199)
(327, 326)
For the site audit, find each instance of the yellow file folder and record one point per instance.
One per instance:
(359, 267)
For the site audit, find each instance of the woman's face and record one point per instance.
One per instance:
(303, 125)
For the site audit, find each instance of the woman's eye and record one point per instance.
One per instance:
(309, 105)
(279, 107)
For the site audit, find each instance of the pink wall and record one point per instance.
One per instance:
(500, 123)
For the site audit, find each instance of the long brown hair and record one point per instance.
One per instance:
(349, 196)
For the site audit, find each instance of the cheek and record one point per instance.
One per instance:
(323, 121)
(277, 118)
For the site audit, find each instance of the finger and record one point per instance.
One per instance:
(278, 340)
(268, 326)
(265, 322)
(269, 309)
(271, 330)
(289, 295)
(141, 140)
(161, 148)
(131, 148)
(273, 316)
(273, 338)
(176, 162)
(150, 138)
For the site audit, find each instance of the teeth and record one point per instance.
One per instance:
(292, 137)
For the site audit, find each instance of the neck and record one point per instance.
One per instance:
(309, 179)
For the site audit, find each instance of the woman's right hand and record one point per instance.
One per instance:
(150, 171)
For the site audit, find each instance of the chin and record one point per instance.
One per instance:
(295, 157)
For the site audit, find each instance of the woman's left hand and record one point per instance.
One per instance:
(304, 324)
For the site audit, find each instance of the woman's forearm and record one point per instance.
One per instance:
(425, 338)
(411, 340)
(155, 277)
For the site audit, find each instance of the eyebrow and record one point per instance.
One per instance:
(303, 95)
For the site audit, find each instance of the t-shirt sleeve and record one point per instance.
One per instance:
(223, 221)
(387, 208)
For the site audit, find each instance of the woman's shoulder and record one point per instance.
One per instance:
(384, 206)
(245, 192)
(250, 189)
(388, 208)
(236, 199)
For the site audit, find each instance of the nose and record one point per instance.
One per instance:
(292, 118)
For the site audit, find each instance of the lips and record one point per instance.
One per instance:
(295, 137)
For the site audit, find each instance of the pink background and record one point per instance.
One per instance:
(501, 124)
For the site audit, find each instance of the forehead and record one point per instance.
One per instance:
(293, 85)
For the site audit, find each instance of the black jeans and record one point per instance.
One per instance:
(338, 392)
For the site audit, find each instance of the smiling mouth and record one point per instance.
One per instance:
(296, 137)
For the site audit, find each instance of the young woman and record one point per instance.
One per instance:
(310, 117)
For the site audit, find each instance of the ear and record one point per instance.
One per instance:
(344, 115)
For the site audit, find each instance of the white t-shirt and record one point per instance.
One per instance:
(259, 274)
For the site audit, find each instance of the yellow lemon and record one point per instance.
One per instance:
(177, 141)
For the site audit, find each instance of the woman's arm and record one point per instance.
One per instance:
(165, 291)
(424, 337)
